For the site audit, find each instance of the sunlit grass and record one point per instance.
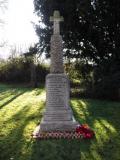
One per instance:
(103, 118)
(21, 109)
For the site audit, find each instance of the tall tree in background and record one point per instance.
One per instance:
(91, 31)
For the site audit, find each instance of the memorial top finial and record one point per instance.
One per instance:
(56, 19)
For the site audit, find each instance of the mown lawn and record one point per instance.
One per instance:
(21, 110)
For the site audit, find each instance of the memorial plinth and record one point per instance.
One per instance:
(58, 115)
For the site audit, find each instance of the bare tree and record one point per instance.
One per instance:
(3, 44)
(3, 4)
(3, 7)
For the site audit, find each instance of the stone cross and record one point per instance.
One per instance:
(56, 45)
(56, 19)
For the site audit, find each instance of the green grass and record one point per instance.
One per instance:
(21, 110)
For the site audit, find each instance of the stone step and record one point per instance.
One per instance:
(58, 126)
(58, 112)
(57, 117)
(55, 105)
(57, 108)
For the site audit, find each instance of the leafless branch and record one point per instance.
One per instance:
(3, 7)
(3, 44)
(3, 4)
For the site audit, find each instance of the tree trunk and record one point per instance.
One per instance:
(33, 82)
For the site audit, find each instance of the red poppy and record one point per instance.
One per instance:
(85, 131)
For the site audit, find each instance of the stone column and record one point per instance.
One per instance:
(56, 54)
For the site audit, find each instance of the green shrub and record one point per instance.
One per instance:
(107, 81)
(17, 70)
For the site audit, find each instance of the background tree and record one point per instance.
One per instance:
(91, 28)
(91, 31)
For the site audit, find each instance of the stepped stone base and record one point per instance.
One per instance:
(58, 115)
(58, 126)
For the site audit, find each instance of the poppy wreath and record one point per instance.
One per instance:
(81, 131)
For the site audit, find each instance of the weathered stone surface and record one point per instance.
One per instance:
(56, 54)
(59, 111)
(56, 19)
(58, 126)
(56, 45)
(58, 115)
(57, 88)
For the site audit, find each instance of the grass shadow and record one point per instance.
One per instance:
(19, 123)
(21, 117)
(17, 141)
(14, 137)
(103, 118)
(12, 99)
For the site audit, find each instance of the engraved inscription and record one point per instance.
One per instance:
(57, 92)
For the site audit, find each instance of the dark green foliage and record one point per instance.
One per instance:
(101, 81)
(81, 77)
(90, 29)
(17, 70)
(107, 80)
(41, 71)
(79, 71)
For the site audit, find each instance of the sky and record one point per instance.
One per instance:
(18, 29)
